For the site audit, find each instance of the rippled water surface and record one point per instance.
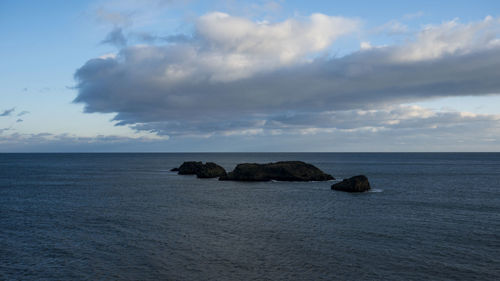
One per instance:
(126, 217)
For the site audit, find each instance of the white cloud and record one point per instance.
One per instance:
(392, 27)
(365, 45)
(108, 56)
(413, 16)
(234, 48)
(451, 38)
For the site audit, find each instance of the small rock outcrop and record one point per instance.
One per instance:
(279, 171)
(355, 184)
(211, 170)
(208, 170)
(190, 168)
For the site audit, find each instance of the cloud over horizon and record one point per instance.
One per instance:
(236, 76)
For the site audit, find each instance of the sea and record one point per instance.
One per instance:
(429, 216)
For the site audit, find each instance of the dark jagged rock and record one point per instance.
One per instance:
(174, 170)
(190, 168)
(280, 171)
(211, 170)
(355, 184)
(208, 170)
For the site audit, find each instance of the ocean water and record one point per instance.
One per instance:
(431, 216)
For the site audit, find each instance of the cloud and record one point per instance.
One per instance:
(128, 13)
(388, 119)
(7, 112)
(49, 142)
(115, 38)
(262, 9)
(242, 40)
(413, 16)
(234, 74)
(70, 142)
(2, 130)
(452, 38)
(393, 27)
(24, 112)
(151, 38)
(394, 128)
(115, 18)
(71, 138)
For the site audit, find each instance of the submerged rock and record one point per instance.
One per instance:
(208, 170)
(355, 184)
(280, 171)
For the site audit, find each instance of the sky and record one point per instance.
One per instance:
(249, 76)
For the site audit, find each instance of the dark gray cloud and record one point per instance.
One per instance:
(395, 118)
(246, 83)
(116, 38)
(137, 93)
(7, 112)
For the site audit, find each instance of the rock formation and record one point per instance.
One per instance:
(280, 171)
(208, 170)
(355, 184)
(211, 170)
(190, 168)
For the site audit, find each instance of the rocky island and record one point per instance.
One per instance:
(279, 171)
(355, 184)
(208, 170)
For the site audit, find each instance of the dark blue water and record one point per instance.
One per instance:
(126, 217)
